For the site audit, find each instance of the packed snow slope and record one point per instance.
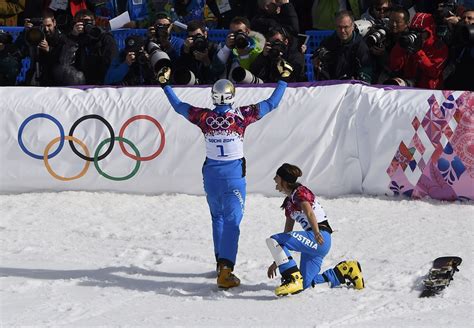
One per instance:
(84, 259)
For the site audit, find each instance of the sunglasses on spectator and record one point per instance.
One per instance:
(382, 9)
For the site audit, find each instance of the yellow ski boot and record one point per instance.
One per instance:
(351, 271)
(225, 278)
(291, 285)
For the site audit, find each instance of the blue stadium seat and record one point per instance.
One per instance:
(309, 68)
(315, 38)
(13, 30)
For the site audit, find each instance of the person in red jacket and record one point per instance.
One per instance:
(420, 59)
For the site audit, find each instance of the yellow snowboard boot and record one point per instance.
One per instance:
(291, 285)
(351, 271)
(225, 277)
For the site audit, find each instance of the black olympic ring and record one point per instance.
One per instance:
(109, 127)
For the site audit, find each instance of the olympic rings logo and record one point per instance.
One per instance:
(86, 155)
(220, 122)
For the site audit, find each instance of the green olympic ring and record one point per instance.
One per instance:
(101, 172)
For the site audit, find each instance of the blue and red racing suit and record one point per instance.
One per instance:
(224, 167)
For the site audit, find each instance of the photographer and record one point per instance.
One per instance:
(132, 66)
(198, 63)
(10, 61)
(459, 74)
(276, 14)
(242, 46)
(343, 55)
(160, 33)
(378, 11)
(277, 61)
(87, 53)
(419, 56)
(42, 42)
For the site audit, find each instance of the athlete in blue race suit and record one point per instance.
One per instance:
(224, 168)
(313, 242)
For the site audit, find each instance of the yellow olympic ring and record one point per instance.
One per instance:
(50, 170)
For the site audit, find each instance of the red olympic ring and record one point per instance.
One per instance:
(162, 138)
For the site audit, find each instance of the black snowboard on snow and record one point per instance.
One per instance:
(440, 275)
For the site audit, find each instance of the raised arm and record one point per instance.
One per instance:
(179, 106)
(271, 103)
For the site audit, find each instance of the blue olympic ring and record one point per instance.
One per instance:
(49, 117)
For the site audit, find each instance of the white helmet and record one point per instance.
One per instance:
(223, 92)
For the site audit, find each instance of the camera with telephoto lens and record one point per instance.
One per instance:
(158, 58)
(376, 36)
(241, 40)
(90, 29)
(277, 49)
(135, 44)
(34, 35)
(374, 33)
(241, 75)
(199, 43)
(411, 40)
(323, 54)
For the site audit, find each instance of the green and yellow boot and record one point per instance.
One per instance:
(351, 271)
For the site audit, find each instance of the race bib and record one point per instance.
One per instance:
(224, 147)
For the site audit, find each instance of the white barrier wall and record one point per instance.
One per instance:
(347, 138)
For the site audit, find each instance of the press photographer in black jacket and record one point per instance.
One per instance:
(278, 61)
(87, 54)
(344, 54)
(198, 63)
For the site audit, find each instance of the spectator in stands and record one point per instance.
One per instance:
(33, 8)
(132, 66)
(344, 54)
(10, 60)
(275, 14)
(242, 45)
(87, 53)
(461, 62)
(198, 63)
(277, 61)
(323, 12)
(188, 10)
(378, 11)
(226, 10)
(9, 10)
(420, 57)
(160, 33)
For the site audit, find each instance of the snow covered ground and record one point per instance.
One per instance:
(83, 259)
